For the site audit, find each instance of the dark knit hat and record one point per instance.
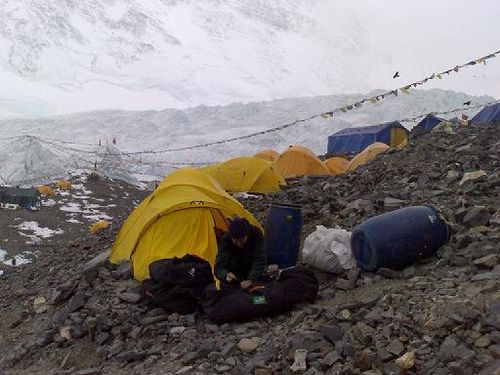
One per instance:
(238, 228)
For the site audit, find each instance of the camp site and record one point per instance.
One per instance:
(249, 188)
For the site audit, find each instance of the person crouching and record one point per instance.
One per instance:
(241, 257)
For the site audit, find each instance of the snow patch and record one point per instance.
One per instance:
(33, 226)
(18, 260)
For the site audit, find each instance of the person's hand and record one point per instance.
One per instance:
(230, 277)
(245, 284)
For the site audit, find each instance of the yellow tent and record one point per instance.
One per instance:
(247, 174)
(46, 190)
(269, 155)
(300, 161)
(182, 216)
(336, 165)
(366, 155)
(64, 185)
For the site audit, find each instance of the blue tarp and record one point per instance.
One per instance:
(428, 123)
(354, 140)
(488, 114)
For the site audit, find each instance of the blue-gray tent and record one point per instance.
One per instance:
(354, 140)
(428, 123)
(488, 115)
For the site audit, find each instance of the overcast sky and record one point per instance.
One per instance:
(418, 37)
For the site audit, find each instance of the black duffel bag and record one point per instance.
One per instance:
(177, 284)
(295, 285)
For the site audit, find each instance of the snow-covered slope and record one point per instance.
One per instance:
(171, 128)
(73, 55)
(30, 160)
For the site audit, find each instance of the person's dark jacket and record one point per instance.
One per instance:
(247, 263)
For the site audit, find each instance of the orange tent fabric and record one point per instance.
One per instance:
(300, 161)
(336, 165)
(269, 155)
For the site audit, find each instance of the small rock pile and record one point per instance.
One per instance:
(439, 316)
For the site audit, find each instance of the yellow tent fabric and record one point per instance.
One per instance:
(269, 155)
(96, 227)
(366, 155)
(300, 161)
(336, 165)
(182, 216)
(46, 190)
(247, 174)
(64, 185)
(398, 136)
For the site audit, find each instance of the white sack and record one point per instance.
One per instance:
(329, 249)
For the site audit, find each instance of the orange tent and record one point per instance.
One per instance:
(336, 165)
(269, 155)
(300, 161)
(366, 155)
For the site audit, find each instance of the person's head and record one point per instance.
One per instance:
(238, 231)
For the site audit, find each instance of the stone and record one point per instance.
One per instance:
(406, 361)
(39, 305)
(393, 202)
(447, 348)
(363, 333)
(344, 315)
(90, 269)
(488, 261)
(483, 341)
(177, 331)
(495, 351)
(330, 359)
(247, 345)
(65, 332)
(131, 355)
(299, 362)
(153, 319)
(395, 347)
(332, 333)
(472, 176)
(476, 216)
(130, 297)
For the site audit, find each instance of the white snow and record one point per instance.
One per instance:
(48, 202)
(38, 231)
(18, 260)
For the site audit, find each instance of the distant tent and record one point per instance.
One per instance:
(269, 155)
(366, 155)
(24, 197)
(300, 161)
(64, 185)
(354, 140)
(336, 165)
(46, 190)
(185, 215)
(489, 114)
(247, 174)
(428, 123)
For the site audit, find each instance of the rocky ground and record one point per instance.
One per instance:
(440, 316)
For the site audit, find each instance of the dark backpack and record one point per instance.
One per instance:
(177, 285)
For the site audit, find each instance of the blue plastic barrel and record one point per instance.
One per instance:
(397, 239)
(282, 238)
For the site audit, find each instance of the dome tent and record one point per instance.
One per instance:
(247, 174)
(184, 215)
(269, 155)
(336, 165)
(300, 161)
(366, 155)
